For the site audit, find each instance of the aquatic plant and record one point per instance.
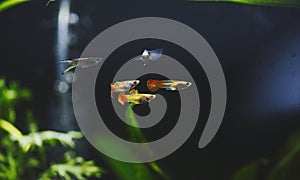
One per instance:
(292, 3)
(23, 156)
(283, 167)
(129, 171)
(10, 3)
(72, 165)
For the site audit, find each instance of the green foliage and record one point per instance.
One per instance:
(72, 167)
(10, 95)
(286, 167)
(127, 171)
(51, 137)
(23, 156)
(292, 3)
(250, 171)
(10, 3)
(131, 171)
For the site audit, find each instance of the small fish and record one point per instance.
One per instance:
(123, 86)
(81, 62)
(150, 55)
(154, 85)
(135, 98)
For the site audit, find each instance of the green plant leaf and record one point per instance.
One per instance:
(2, 158)
(11, 129)
(51, 137)
(72, 167)
(49, 1)
(10, 3)
(282, 170)
(293, 3)
(249, 171)
(17, 162)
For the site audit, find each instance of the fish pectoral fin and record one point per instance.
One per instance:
(171, 88)
(68, 69)
(137, 59)
(122, 98)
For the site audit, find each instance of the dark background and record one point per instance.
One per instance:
(258, 47)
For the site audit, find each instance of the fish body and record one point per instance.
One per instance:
(81, 62)
(135, 98)
(123, 86)
(150, 55)
(154, 85)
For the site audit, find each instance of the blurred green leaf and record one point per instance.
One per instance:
(16, 161)
(72, 167)
(32, 162)
(283, 168)
(39, 138)
(10, 3)
(293, 3)
(130, 171)
(250, 171)
(11, 129)
(49, 1)
(2, 159)
(11, 114)
(32, 126)
(9, 97)
(25, 94)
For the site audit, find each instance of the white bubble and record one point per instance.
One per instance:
(61, 86)
(73, 19)
(69, 77)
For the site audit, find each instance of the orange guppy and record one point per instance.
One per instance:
(154, 85)
(135, 98)
(123, 86)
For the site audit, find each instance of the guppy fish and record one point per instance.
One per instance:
(154, 85)
(150, 55)
(123, 86)
(81, 62)
(135, 98)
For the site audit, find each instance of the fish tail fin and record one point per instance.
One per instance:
(121, 98)
(153, 85)
(64, 61)
(68, 69)
(112, 89)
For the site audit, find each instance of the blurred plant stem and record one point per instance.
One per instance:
(10, 3)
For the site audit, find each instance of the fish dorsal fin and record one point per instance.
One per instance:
(145, 53)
